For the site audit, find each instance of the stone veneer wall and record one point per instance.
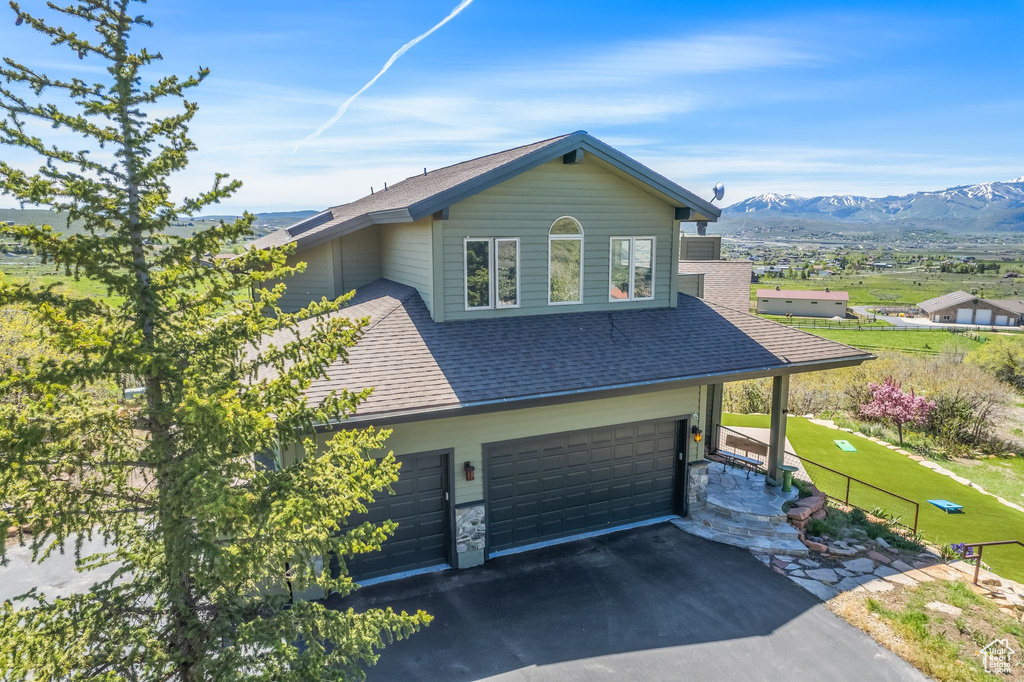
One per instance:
(697, 486)
(470, 528)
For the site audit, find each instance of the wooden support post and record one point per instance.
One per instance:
(777, 439)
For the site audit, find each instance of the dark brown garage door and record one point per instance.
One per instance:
(567, 483)
(421, 511)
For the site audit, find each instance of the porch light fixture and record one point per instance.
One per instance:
(697, 433)
(470, 471)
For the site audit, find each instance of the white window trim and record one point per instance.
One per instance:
(632, 268)
(492, 253)
(565, 237)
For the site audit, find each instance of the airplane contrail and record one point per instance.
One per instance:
(394, 58)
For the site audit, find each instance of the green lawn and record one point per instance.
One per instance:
(908, 288)
(28, 269)
(1003, 476)
(825, 322)
(984, 519)
(908, 341)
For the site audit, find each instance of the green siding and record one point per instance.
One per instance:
(316, 282)
(466, 435)
(360, 256)
(700, 247)
(606, 205)
(407, 256)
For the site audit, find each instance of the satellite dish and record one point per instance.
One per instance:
(719, 191)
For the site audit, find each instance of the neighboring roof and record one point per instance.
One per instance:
(946, 300)
(726, 282)
(421, 195)
(804, 294)
(419, 367)
(1013, 305)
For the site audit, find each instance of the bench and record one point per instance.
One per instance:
(747, 445)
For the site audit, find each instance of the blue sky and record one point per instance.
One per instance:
(872, 98)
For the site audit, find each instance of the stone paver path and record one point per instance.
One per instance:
(867, 574)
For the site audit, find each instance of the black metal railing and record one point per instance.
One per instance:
(850, 491)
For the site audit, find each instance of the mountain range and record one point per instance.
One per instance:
(985, 207)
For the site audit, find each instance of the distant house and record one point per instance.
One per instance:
(802, 303)
(959, 307)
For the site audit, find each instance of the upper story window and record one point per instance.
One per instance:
(631, 269)
(565, 262)
(492, 273)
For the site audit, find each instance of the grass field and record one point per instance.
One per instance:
(906, 341)
(909, 288)
(984, 519)
(29, 269)
(1003, 476)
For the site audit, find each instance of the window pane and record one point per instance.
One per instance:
(620, 268)
(643, 268)
(508, 293)
(565, 270)
(566, 226)
(478, 274)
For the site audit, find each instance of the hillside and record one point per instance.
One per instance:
(265, 222)
(985, 207)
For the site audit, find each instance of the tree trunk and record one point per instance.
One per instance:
(170, 522)
(899, 428)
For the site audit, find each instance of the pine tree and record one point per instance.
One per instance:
(208, 545)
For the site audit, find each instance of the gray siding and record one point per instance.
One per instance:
(406, 256)
(525, 206)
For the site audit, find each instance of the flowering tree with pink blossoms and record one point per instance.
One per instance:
(890, 401)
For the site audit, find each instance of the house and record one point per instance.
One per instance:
(959, 307)
(802, 303)
(531, 350)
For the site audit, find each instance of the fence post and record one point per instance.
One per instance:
(977, 565)
(847, 491)
(917, 510)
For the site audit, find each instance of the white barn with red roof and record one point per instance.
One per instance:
(802, 302)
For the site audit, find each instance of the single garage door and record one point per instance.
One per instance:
(982, 316)
(421, 511)
(963, 315)
(1002, 320)
(563, 484)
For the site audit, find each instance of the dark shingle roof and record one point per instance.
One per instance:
(418, 366)
(413, 197)
(726, 282)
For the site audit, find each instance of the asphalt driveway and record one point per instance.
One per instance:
(646, 604)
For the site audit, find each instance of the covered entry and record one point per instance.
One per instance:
(553, 486)
(420, 506)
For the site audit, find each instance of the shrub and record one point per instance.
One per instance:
(1003, 356)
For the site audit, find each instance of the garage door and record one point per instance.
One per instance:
(982, 317)
(554, 486)
(1002, 320)
(963, 315)
(421, 511)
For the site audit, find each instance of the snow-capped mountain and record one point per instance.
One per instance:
(989, 205)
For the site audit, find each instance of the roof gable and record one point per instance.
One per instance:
(422, 195)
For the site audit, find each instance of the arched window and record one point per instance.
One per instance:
(565, 262)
